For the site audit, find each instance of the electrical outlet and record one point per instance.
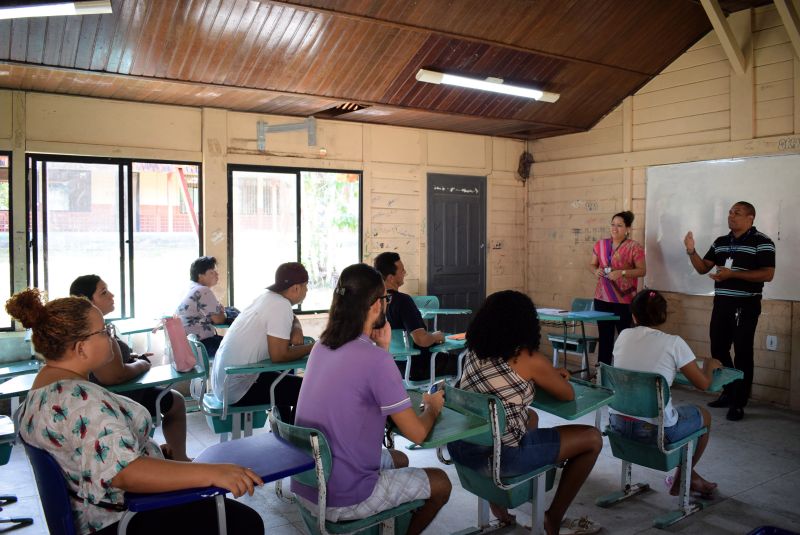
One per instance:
(772, 342)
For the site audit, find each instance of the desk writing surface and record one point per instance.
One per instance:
(448, 345)
(266, 365)
(400, 352)
(587, 316)
(157, 376)
(265, 454)
(432, 312)
(450, 425)
(135, 326)
(721, 377)
(21, 367)
(588, 397)
(17, 386)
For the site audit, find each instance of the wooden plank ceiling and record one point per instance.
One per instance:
(308, 57)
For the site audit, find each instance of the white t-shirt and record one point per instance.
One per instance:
(643, 349)
(246, 342)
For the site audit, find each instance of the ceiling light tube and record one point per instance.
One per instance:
(495, 85)
(57, 9)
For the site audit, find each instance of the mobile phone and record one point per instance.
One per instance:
(435, 387)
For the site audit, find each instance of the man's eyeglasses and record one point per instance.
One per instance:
(387, 298)
(108, 329)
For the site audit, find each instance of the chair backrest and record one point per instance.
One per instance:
(52, 488)
(480, 405)
(426, 301)
(200, 353)
(580, 304)
(301, 437)
(636, 393)
(397, 337)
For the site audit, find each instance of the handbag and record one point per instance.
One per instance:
(183, 359)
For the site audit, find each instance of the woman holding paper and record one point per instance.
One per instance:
(617, 262)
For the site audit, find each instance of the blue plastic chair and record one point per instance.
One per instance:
(574, 343)
(58, 509)
(395, 520)
(644, 395)
(509, 492)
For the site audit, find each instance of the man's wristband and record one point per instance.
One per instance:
(691, 253)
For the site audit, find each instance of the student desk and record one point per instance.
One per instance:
(434, 313)
(450, 425)
(264, 454)
(263, 366)
(582, 317)
(721, 377)
(164, 375)
(403, 352)
(20, 367)
(129, 327)
(588, 397)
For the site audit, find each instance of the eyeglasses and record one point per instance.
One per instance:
(387, 298)
(108, 329)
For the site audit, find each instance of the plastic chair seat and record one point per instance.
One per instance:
(212, 408)
(365, 526)
(482, 485)
(649, 455)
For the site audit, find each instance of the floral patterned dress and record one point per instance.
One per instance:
(93, 434)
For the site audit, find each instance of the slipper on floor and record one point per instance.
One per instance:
(578, 526)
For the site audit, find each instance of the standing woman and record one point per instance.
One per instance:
(101, 440)
(617, 262)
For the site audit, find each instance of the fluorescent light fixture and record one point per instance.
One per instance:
(489, 84)
(57, 9)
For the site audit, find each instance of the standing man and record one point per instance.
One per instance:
(745, 260)
(266, 329)
(404, 314)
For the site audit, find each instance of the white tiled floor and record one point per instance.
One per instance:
(756, 463)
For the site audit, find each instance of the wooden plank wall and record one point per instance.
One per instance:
(696, 109)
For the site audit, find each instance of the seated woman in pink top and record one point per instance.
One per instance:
(350, 386)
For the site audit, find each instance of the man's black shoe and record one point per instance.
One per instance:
(735, 414)
(722, 401)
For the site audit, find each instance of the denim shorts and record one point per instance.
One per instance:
(689, 421)
(539, 447)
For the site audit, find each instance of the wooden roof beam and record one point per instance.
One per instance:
(725, 34)
(791, 21)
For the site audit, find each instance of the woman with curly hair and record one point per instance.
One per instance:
(504, 361)
(102, 440)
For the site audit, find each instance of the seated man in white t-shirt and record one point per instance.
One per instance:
(266, 329)
(646, 349)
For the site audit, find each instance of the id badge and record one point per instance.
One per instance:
(728, 263)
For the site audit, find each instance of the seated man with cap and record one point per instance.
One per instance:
(267, 328)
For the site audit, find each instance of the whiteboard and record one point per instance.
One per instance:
(697, 196)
